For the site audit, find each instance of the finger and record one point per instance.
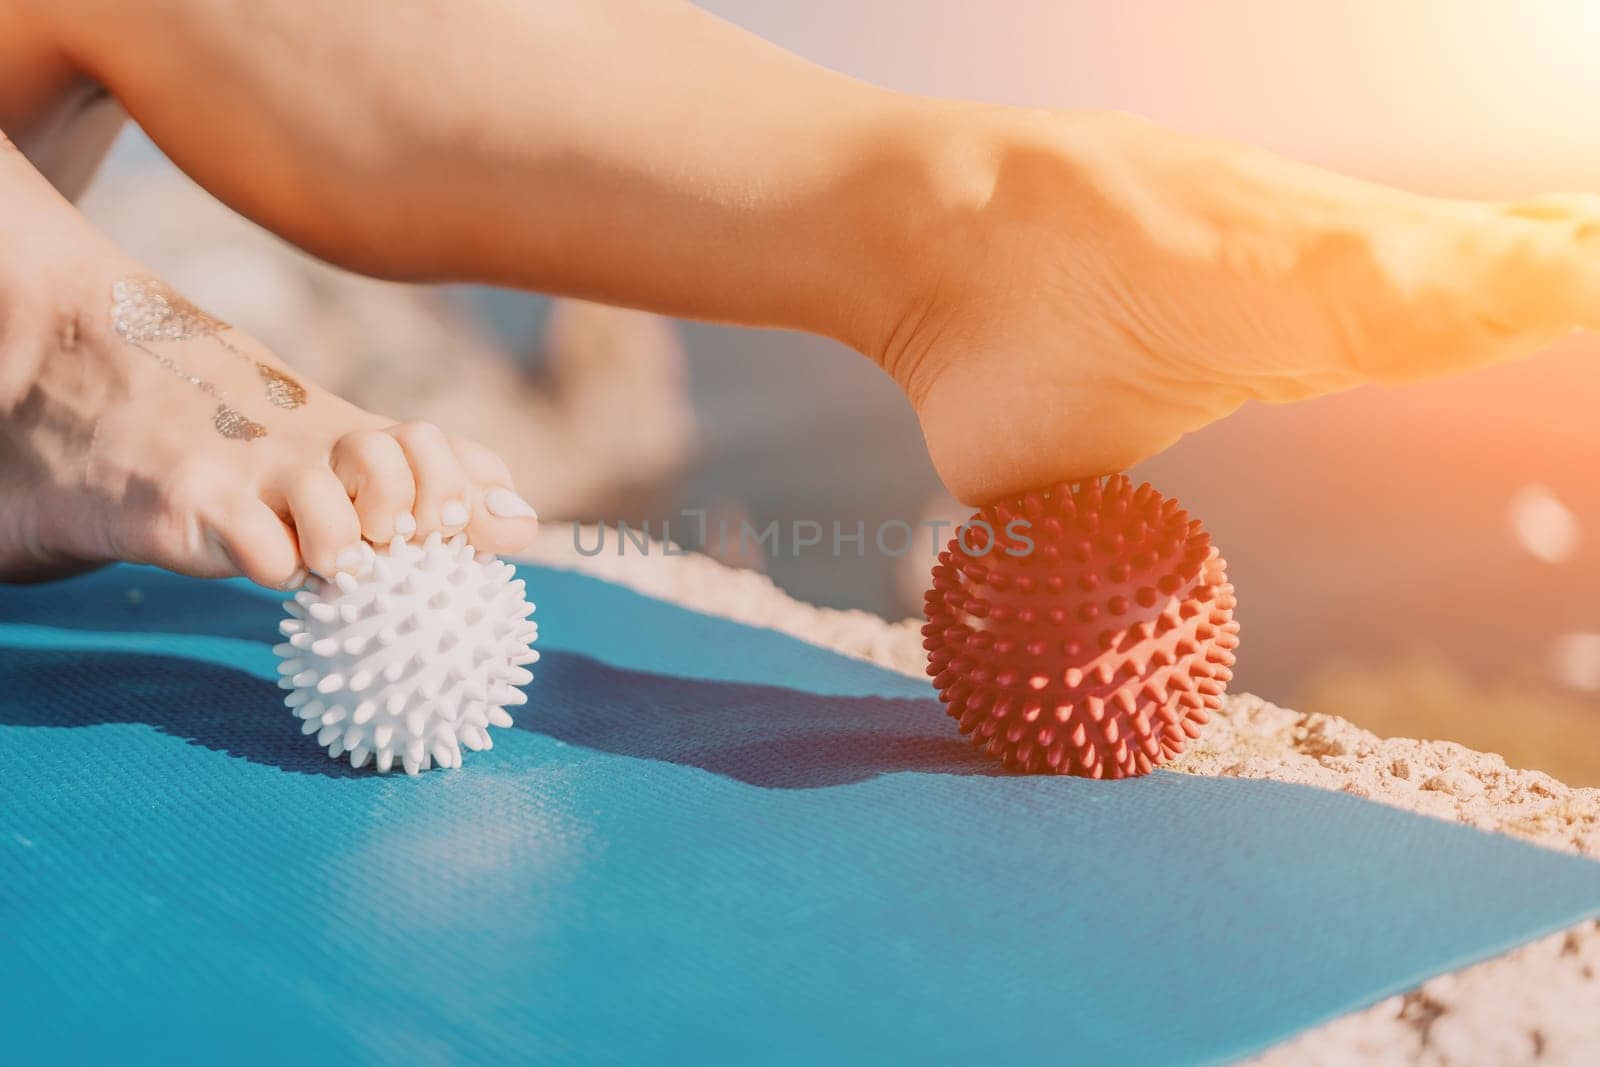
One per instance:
(377, 476)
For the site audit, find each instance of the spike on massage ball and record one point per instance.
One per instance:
(1084, 629)
(412, 658)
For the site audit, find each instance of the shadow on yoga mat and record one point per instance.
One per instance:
(211, 705)
(705, 842)
(761, 735)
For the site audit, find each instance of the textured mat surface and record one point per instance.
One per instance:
(703, 841)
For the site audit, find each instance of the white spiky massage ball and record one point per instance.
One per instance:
(411, 658)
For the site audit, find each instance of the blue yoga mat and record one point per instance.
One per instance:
(702, 842)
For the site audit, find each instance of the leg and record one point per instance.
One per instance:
(1058, 294)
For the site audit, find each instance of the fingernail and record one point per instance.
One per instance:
(504, 504)
(352, 560)
(454, 514)
(295, 580)
(405, 524)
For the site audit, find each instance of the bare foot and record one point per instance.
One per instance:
(135, 427)
(1112, 285)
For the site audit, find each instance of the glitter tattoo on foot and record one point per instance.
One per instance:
(230, 422)
(139, 319)
(147, 310)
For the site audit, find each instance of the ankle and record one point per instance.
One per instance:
(923, 172)
(1012, 215)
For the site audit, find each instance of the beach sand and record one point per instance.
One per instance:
(1539, 1003)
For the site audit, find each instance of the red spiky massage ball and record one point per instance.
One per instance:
(1085, 629)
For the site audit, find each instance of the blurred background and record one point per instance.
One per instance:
(1422, 560)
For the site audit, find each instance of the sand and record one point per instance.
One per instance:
(1538, 1003)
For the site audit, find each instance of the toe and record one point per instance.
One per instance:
(377, 476)
(203, 520)
(502, 522)
(443, 492)
(325, 522)
(181, 523)
(262, 546)
(1541, 277)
